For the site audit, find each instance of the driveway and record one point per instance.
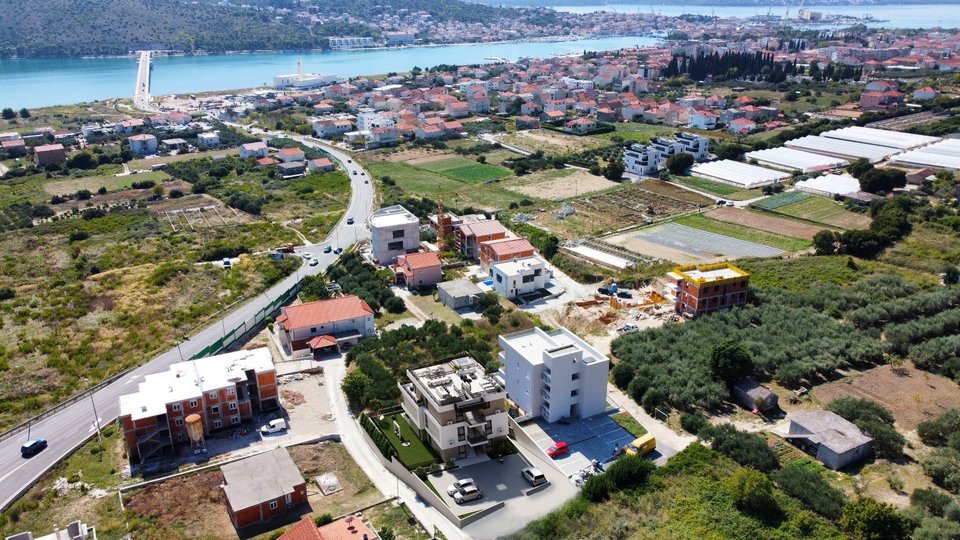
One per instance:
(498, 482)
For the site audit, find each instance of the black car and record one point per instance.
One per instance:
(350, 221)
(338, 251)
(624, 294)
(604, 290)
(32, 447)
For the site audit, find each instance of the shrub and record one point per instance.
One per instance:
(323, 519)
(937, 432)
(395, 305)
(730, 361)
(597, 488)
(6, 293)
(76, 236)
(931, 500)
(752, 492)
(876, 420)
(630, 472)
(942, 465)
(167, 271)
(802, 480)
(693, 422)
(867, 519)
(746, 449)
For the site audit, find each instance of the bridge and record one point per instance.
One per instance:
(141, 94)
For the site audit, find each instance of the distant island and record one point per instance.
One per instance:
(764, 3)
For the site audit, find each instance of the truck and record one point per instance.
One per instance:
(641, 446)
(288, 248)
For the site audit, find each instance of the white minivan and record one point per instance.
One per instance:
(274, 426)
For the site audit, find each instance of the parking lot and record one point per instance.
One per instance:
(597, 438)
(498, 482)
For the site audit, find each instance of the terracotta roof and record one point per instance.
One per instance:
(267, 161)
(325, 311)
(483, 228)
(320, 342)
(291, 152)
(419, 261)
(48, 148)
(506, 246)
(305, 529)
(342, 529)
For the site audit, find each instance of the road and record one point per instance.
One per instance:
(141, 93)
(72, 426)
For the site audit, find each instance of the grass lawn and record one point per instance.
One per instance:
(717, 188)
(781, 199)
(630, 424)
(637, 132)
(823, 210)
(699, 221)
(146, 163)
(466, 170)
(397, 518)
(414, 455)
(111, 182)
(423, 183)
(434, 309)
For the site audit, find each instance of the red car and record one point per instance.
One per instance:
(558, 449)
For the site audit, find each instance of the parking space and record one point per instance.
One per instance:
(498, 482)
(597, 438)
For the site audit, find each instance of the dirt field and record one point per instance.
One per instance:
(764, 222)
(317, 459)
(551, 142)
(197, 212)
(650, 249)
(570, 183)
(194, 503)
(670, 190)
(411, 155)
(430, 159)
(911, 395)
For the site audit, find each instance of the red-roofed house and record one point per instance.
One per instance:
(289, 155)
(418, 270)
(505, 249)
(469, 236)
(255, 149)
(265, 162)
(48, 154)
(580, 126)
(340, 320)
(925, 93)
(322, 164)
(15, 147)
(741, 126)
(527, 122)
(348, 528)
(881, 100)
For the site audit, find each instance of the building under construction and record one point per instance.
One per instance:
(706, 288)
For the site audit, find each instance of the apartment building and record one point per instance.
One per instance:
(504, 249)
(455, 406)
(469, 236)
(696, 290)
(223, 390)
(554, 374)
(394, 231)
(520, 276)
(651, 158)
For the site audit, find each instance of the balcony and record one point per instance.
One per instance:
(545, 377)
(476, 440)
(474, 419)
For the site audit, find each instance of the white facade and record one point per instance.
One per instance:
(301, 81)
(143, 144)
(393, 231)
(554, 374)
(738, 174)
(640, 159)
(209, 139)
(368, 120)
(790, 159)
(351, 42)
(519, 276)
(651, 158)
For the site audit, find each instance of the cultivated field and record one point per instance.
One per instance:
(195, 212)
(823, 210)
(423, 183)
(461, 168)
(683, 244)
(764, 222)
(637, 132)
(748, 234)
(149, 162)
(717, 188)
(551, 142)
(93, 183)
(561, 184)
(669, 190)
(911, 395)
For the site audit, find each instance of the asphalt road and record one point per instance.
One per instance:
(141, 93)
(72, 426)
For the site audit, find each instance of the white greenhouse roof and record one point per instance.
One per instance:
(942, 155)
(788, 158)
(830, 184)
(738, 174)
(841, 148)
(880, 137)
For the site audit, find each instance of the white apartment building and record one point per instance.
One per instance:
(520, 276)
(651, 158)
(554, 374)
(351, 42)
(456, 406)
(393, 231)
(368, 119)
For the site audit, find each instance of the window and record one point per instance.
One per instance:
(179, 438)
(217, 424)
(178, 422)
(398, 233)
(499, 278)
(288, 498)
(193, 403)
(575, 377)
(461, 433)
(231, 391)
(394, 246)
(176, 407)
(211, 395)
(232, 405)
(235, 420)
(573, 393)
(528, 279)
(215, 409)
(313, 330)
(537, 272)
(274, 505)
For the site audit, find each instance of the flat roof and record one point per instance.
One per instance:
(392, 216)
(517, 266)
(601, 257)
(737, 173)
(185, 380)
(460, 287)
(880, 137)
(841, 148)
(534, 342)
(458, 380)
(708, 273)
(799, 160)
(941, 155)
(837, 184)
(257, 479)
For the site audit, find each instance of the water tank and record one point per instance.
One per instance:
(194, 427)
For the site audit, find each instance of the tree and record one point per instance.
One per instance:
(752, 492)
(746, 449)
(801, 479)
(730, 151)
(867, 519)
(876, 420)
(825, 242)
(8, 114)
(882, 180)
(679, 163)
(24, 113)
(355, 385)
(859, 167)
(481, 159)
(730, 361)
(951, 275)
(614, 170)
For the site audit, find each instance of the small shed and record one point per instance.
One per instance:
(262, 487)
(750, 394)
(459, 293)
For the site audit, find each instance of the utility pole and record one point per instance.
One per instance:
(96, 424)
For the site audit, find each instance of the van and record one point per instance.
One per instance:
(274, 426)
(641, 446)
(534, 476)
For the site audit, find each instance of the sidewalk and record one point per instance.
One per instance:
(384, 480)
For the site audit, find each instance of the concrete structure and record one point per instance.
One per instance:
(289, 155)
(554, 374)
(224, 390)
(351, 42)
(696, 290)
(394, 230)
(208, 139)
(292, 169)
(143, 144)
(519, 276)
(321, 165)
(835, 441)
(651, 158)
(455, 406)
(829, 185)
(253, 150)
(504, 249)
(469, 236)
(418, 270)
(325, 323)
(14, 148)
(941, 155)
(77, 530)
(302, 81)
(789, 159)
(880, 137)
(262, 487)
(754, 395)
(838, 148)
(738, 174)
(458, 294)
(49, 154)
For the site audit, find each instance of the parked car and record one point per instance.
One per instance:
(313, 262)
(628, 328)
(366, 181)
(641, 446)
(32, 447)
(604, 290)
(730, 203)
(350, 221)
(459, 485)
(349, 161)
(226, 263)
(307, 256)
(467, 494)
(624, 294)
(328, 249)
(533, 475)
(721, 202)
(338, 251)
(274, 426)
(558, 449)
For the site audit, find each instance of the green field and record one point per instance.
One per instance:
(717, 188)
(466, 170)
(456, 193)
(823, 210)
(93, 183)
(414, 455)
(781, 199)
(699, 221)
(637, 132)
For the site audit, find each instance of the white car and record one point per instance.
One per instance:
(467, 494)
(313, 262)
(274, 426)
(459, 485)
(628, 328)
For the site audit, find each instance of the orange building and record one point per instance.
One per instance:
(262, 487)
(707, 288)
(503, 249)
